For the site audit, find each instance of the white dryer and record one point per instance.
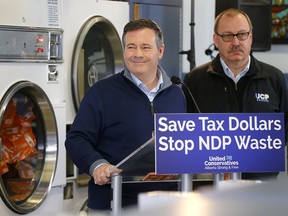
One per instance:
(92, 45)
(92, 50)
(32, 108)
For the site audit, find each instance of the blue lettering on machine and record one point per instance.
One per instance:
(217, 143)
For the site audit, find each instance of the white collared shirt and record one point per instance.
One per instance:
(230, 74)
(150, 94)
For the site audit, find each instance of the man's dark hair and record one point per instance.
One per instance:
(144, 23)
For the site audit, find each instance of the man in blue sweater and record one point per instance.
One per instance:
(116, 115)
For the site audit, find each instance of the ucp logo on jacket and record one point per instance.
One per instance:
(262, 97)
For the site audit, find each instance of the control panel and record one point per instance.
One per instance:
(30, 44)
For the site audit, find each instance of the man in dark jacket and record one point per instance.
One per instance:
(234, 81)
(116, 116)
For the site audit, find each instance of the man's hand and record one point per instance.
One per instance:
(103, 173)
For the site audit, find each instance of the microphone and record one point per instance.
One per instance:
(176, 80)
(209, 51)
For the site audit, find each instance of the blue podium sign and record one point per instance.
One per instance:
(217, 143)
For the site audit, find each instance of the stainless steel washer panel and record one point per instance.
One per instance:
(97, 53)
(27, 44)
(24, 194)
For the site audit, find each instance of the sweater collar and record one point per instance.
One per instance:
(254, 69)
(166, 79)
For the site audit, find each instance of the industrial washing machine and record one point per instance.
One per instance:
(92, 50)
(92, 45)
(32, 108)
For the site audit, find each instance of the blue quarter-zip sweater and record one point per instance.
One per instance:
(115, 117)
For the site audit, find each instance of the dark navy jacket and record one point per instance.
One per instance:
(115, 117)
(261, 90)
(215, 92)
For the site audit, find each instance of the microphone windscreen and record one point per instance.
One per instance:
(208, 51)
(175, 80)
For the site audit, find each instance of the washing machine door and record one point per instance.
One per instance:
(97, 54)
(29, 147)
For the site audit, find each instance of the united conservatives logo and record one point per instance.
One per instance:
(224, 163)
(262, 97)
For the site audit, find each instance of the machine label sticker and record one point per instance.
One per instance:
(217, 143)
(53, 12)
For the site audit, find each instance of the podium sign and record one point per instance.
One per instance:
(217, 143)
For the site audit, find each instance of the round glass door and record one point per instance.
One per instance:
(29, 146)
(97, 54)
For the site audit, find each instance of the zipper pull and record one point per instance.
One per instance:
(152, 108)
